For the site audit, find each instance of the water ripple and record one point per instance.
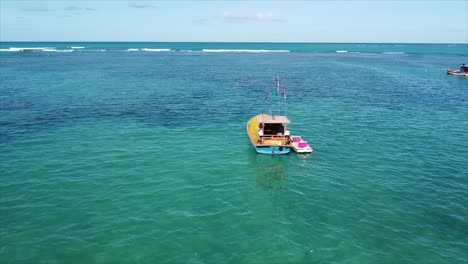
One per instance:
(144, 158)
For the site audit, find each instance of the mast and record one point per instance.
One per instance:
(285, 103)
(277, 94)
(266, 99)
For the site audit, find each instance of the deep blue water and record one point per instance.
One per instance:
(116, 156)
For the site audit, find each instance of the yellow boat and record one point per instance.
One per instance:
(269, 134)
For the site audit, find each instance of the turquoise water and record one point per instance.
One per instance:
(143, 157)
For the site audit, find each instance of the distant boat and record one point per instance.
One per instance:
(459, 72)
(269, 134)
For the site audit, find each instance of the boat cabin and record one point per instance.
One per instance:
(272, 125)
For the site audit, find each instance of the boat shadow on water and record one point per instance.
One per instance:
(270, 171)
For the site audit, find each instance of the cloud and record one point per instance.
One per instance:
(259, 16)
(35, 9)
(76, 8)
(266, 16)
(140, 5)
(76, 11)
(72, 8)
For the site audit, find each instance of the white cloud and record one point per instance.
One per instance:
(259, 16)
(76, 11)
(77, 8)
(140, 5)
(72, 8)
(266, 16)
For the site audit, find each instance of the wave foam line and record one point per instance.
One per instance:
(56, 50)
(26, 49)
(155, 50)
(243, 50)
(150, 50)
(77, 47)
(13, 49)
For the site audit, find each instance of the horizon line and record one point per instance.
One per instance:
(272, 42)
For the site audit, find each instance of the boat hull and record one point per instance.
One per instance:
(273, 150)
(457, 73)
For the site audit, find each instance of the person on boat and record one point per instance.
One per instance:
(464, 69)
(260, 129)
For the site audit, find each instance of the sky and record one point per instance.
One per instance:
(388, 21)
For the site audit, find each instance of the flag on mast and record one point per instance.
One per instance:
(277, 84)
(284, 92)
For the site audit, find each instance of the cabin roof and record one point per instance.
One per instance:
(268, 119)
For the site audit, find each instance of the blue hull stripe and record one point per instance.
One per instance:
(273, 150)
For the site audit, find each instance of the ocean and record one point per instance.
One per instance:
(138, 153)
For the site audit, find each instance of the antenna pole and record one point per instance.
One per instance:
(277, 94)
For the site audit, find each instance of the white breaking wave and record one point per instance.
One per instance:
(33, 49)
(56, 50)
(77, 47)
(27, 49)
(45, 49)
(155, 50)
(346, 51)
(150, 50)
(243, 50)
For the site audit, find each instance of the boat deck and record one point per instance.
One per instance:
(273, 140)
